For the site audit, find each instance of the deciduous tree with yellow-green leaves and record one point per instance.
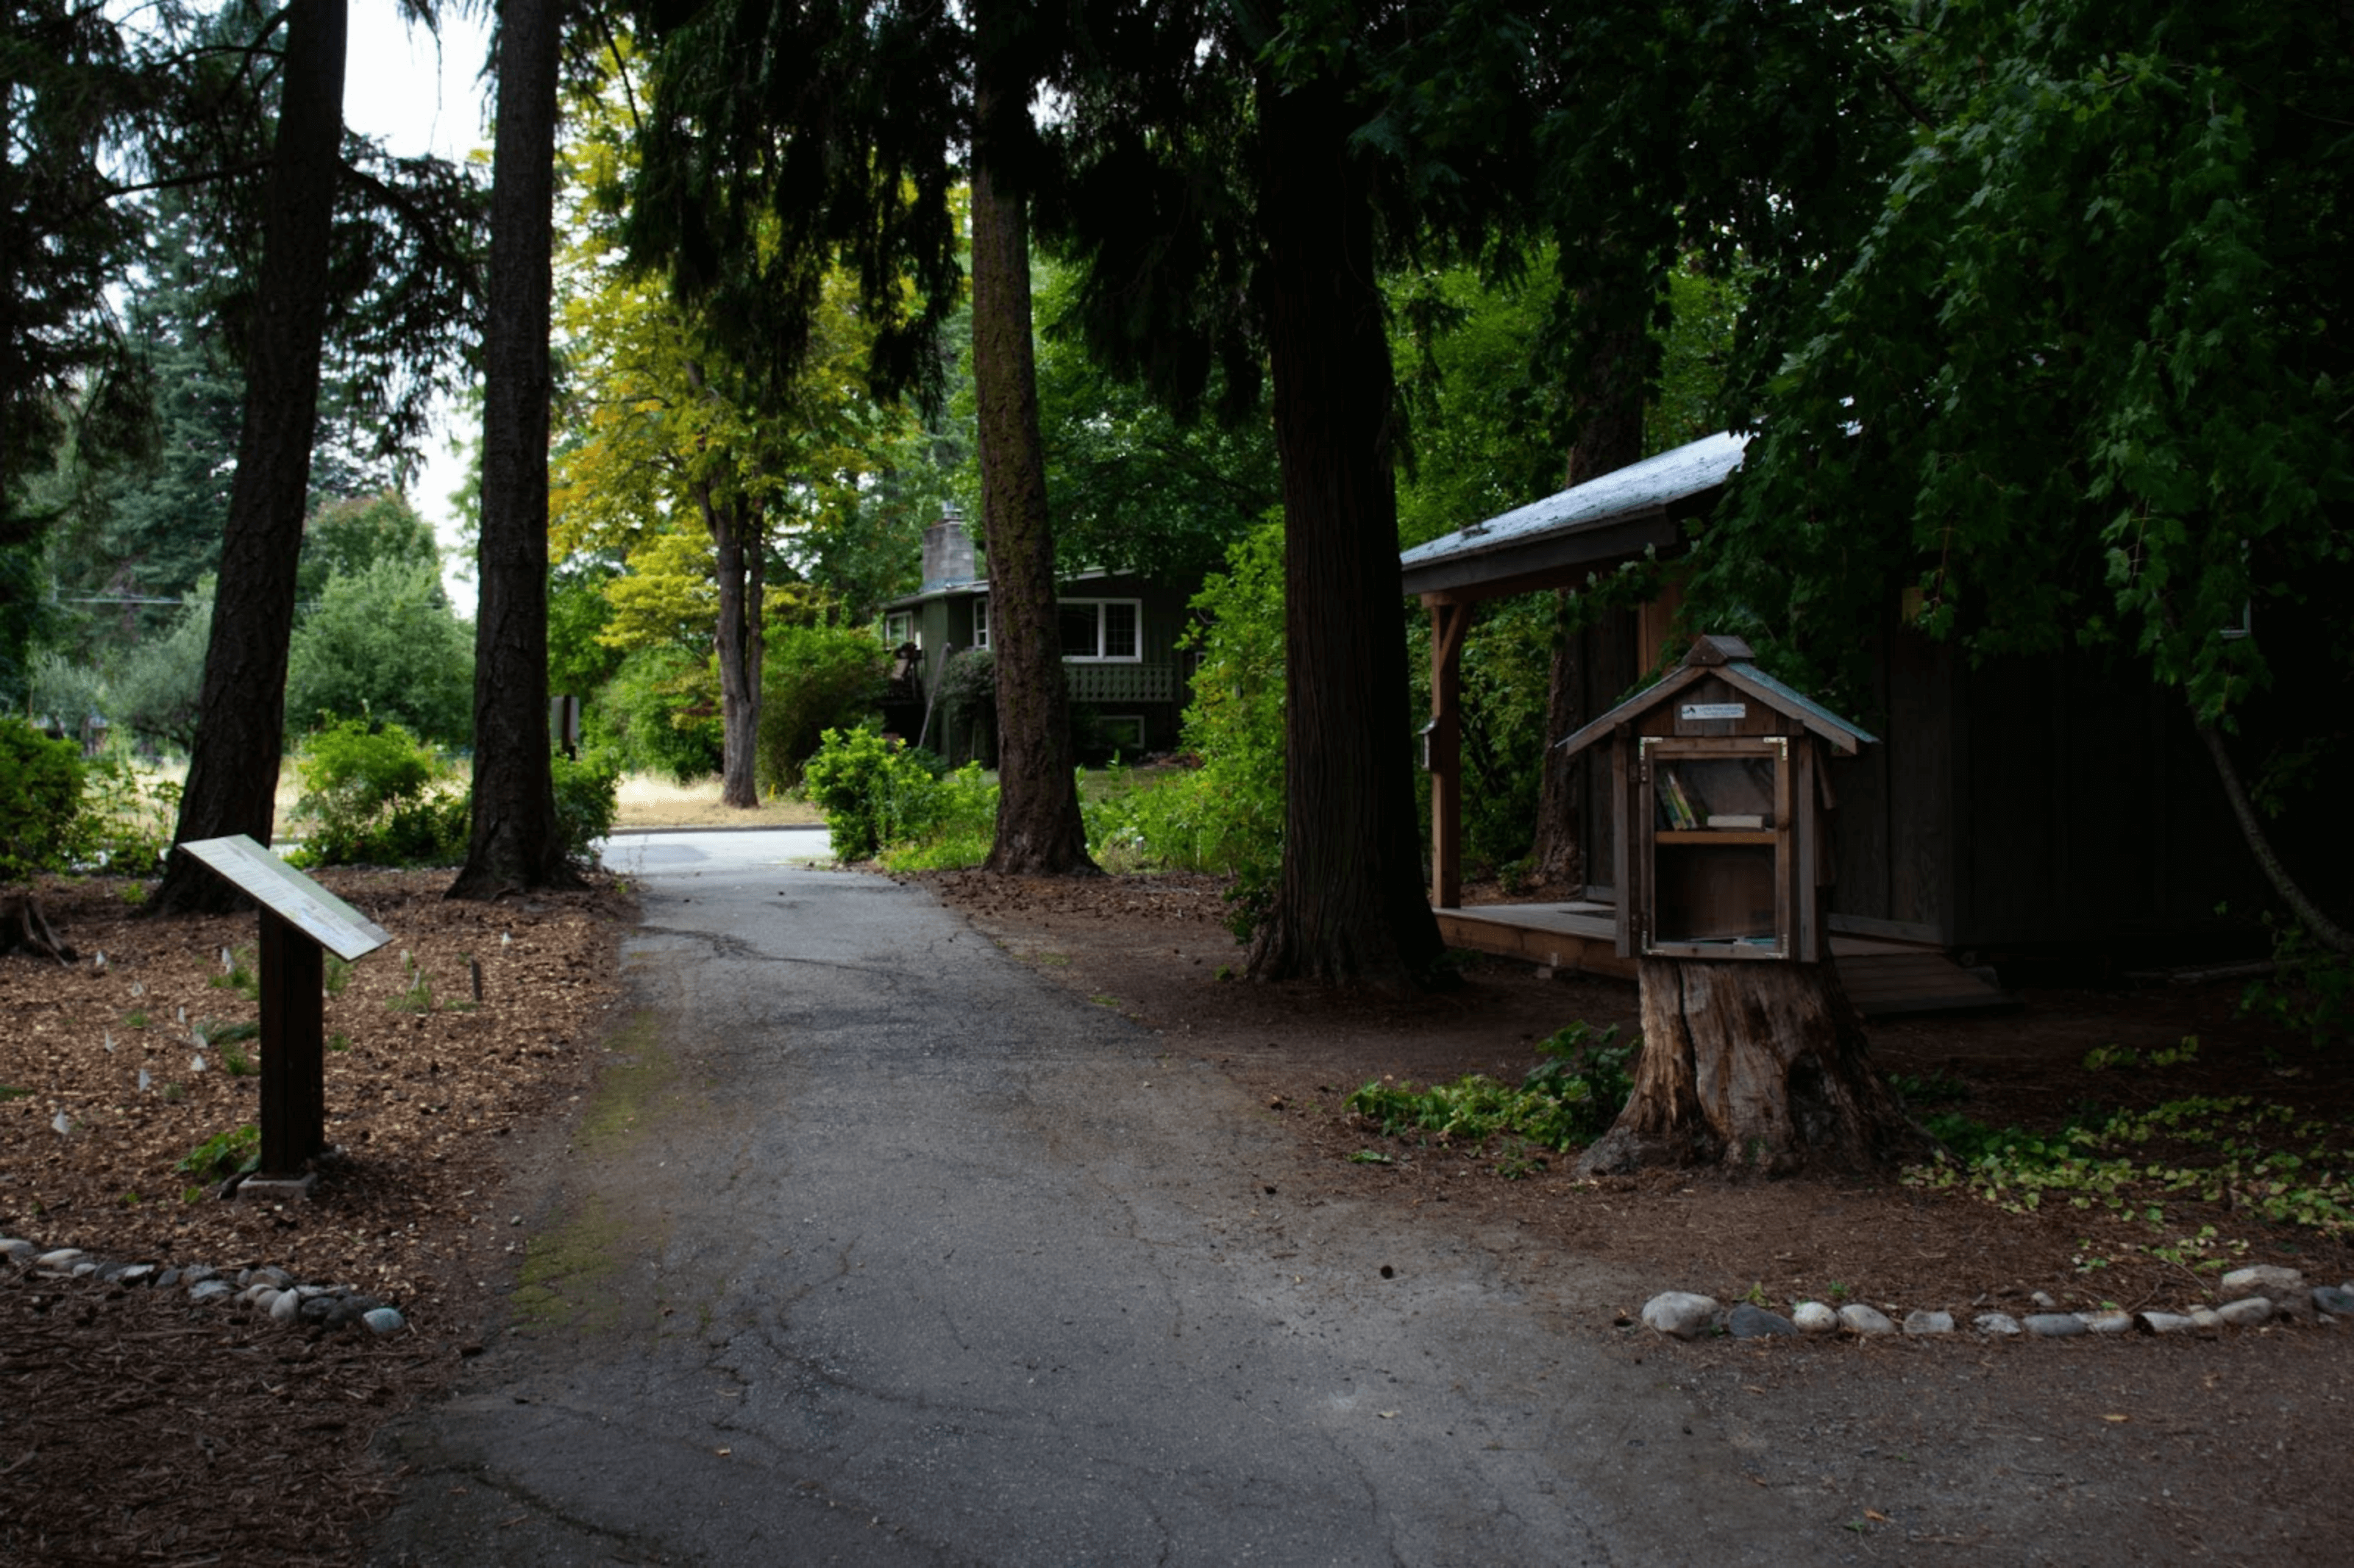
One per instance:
(702, 475)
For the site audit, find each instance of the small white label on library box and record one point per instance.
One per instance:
(286, 892)
(1713, 711)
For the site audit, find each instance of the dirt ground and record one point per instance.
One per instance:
(2237, 1443)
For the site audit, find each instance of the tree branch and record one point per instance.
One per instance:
(2325, 931)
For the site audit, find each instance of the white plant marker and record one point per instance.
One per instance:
(144, 1080)
(62, 1122)
(196, 1062)
(110, 1042)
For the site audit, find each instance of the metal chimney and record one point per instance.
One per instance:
(948, 552)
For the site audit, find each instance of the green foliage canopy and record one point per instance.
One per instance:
(384, 641)
(2085, 381)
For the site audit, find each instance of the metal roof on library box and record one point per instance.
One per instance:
(1606, 519)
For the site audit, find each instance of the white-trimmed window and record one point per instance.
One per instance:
(899, 628)
(1102, 630)
(980, 621)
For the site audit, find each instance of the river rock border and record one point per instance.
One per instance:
(2262, 1293)
(271, 1292)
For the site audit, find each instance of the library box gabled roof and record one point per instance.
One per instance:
(1728, 659)
(1547, 542)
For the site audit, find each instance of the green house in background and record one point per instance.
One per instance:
(1130, 682)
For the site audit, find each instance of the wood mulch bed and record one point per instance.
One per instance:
(133, 1426)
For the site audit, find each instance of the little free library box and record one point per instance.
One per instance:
(1721, 795)
(300, 921)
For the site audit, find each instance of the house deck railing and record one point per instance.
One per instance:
(1121, 683)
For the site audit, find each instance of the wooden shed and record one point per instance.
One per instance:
(2012, 805)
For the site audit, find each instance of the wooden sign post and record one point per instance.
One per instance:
(299, 921)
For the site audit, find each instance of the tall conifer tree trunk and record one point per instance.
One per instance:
(240, 728)
(1350, 906)
(1610, 436)
(515, 842)
(1039, 831)
(735, 524)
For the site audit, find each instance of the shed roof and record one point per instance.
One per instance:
(1603, 520)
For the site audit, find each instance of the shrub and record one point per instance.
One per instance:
(384, 640)
(366, 793)
(815, 678)
(1224, 816)
(587, 795)
(660, 714)
(962, 829)
(41, 800)
(873, 791)
(128, 817)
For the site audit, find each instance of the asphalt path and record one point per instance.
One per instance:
(875, 1247)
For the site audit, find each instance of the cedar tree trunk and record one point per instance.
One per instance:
(736, 529)
(1610, 438)
(240, 726)
(1756, 1067)
(515, 843)
(1349, 907)
(1039, 831)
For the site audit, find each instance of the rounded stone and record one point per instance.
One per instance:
(2205, 1318)
(205, 1290)
(1928, 1322)
(2269, 1279)
(1814, 1317)
(276, 1277)
(2246, 1312)
(382, 1320)
(63, 1257)
(2055, 1325)
(196, 1274)
(1859, 1318)
(1994, 1323)
(1748, 1322)
(286, 1307)
(1681, 1313)
(2109, 1323)
(2168, 1323)
(17, 1251)
(2334, 1299)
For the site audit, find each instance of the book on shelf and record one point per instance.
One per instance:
(1677, 804)
(1735, 820)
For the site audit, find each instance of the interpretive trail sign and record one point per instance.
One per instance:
(300, 921)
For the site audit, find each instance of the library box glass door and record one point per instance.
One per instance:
(1716, 843)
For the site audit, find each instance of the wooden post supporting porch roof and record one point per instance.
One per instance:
(1558, 542)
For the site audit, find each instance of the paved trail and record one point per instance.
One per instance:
(879, 1249)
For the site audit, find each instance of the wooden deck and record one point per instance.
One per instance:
(1885, 978)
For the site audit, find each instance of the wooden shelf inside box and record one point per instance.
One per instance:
(1713, 887)
(1715, 835)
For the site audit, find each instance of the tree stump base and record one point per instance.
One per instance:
(24, 929)
(1759, 1068)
